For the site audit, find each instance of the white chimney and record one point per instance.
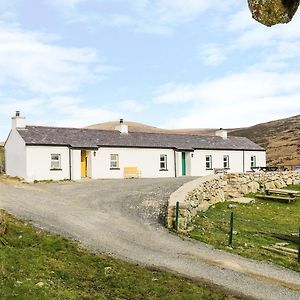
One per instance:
(222, 133)
(122, 127)
(18, 122)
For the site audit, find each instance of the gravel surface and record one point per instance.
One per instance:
(125, 218)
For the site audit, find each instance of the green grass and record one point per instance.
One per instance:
(253, 224)
(67, 271)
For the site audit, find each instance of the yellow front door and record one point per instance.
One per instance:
(83, 164)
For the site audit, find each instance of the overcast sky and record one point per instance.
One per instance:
(167, 63)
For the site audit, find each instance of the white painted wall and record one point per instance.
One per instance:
(235, 161)
(39, 163)
(90, 155)
(188, 160)
(34, 162)
(15, 155)
(260, 159)
(76, 164)
(146, 160)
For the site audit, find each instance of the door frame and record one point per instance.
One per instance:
(183, 163)
(84, 164)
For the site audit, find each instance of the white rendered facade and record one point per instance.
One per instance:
(60, 162)
(34, 162)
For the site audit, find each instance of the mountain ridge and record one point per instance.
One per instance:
(279, 137)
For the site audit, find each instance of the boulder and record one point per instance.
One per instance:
(253, 187)
(269, 185)
(243, 189)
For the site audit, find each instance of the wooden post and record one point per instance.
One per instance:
(230, 230)
(177, 216)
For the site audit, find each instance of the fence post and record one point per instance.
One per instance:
(177, 216)
(299, 246)
(230, 230)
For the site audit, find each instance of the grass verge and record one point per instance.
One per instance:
(37, 265)
(254, 226)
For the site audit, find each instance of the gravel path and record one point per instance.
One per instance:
(125, 218)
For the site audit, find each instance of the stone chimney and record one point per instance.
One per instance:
(122, 127)
(222, 133)
(18, 122)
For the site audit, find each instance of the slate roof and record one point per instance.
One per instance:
(91, 138)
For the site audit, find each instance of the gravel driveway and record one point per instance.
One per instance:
(125, 218)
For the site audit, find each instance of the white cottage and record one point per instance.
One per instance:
(45, 153)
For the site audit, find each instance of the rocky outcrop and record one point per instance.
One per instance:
(222, 188)
(271, 12)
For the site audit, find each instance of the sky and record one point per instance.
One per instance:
(166, 63)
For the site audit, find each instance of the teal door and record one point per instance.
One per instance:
(183, 164)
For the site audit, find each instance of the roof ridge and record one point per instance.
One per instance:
(80, 137)
(135, 132)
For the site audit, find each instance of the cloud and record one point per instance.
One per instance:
(33, 106)
(240, 114)
(211, 54)
(74, 112)
(233, 100)
(130, 106)
(155, 16)
(232, 88)
(34, 61)
(65, 111)
(39, 77)
(170, 11)
(67, 3)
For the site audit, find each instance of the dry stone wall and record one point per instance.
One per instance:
(224, 188)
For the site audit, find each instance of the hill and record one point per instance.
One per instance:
(139, 127)
(280, 137)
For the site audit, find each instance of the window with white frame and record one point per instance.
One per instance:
(226, 161)
(163, 162)
(208, 162)
(114, 161)
(55, 162)
(253, 161)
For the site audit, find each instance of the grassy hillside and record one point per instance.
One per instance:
(139, 127)
(280, 138)
(38, 265)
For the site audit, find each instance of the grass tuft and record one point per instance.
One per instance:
(37, 265)
(254, 226)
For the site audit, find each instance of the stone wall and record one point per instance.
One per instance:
(222, 188)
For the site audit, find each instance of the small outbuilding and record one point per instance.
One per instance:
(56, 153)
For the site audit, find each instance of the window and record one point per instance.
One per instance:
(208, 162)
(55, 162)
(226, 161)
(253, 161)
(163, 162)
(114, 161)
